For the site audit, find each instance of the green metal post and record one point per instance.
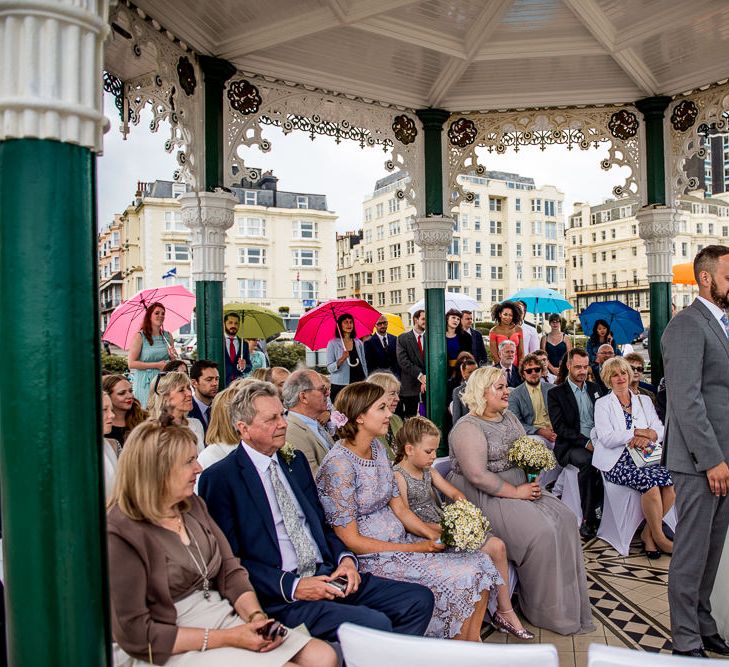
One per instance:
(209, 293)
(436, 364)
(50, 437)
(653, 110)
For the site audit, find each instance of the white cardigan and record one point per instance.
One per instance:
(609, 435)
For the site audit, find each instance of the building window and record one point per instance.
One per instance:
(497, 273)
(517, 204)
(368, 257)
(177, 252)
(380, 210)
(537, 272)
(537, 228)
(368, 277)
(454, 270)
(395, 273)
(380, 298)
(455, 247)
(477, 223)
(551, 275)
(517, 228)
(466, 272)
(380, 254)
(519, 271)
(306, 229)
(464, 220)
(380, 229)
(518, 251)
(613, 254)
(465, 245)
(394, 251)
(478, 270)
(550, 230)
(411, 270)
(368, 236)
(536, 205)
(411, 295)
(477, 201)
(173, 223)
(393, 205)
(305, 289)
(497, 295)
(248, 255)
(537, 249)
(495, 204)
(380, 276)
(497, 250)
(479, 293)
(341, 282)
(549, 208)
(396, 297)
(305, 257)
(302, 201)
(494, 227)
(249, 288)
(395, 228)
(410, 247)
(477, 247)
(550, 252)
(250, 197)
(252, 227)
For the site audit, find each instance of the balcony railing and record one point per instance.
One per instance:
(612, 285)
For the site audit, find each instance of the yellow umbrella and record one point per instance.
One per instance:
(683, 274)
(395, 325)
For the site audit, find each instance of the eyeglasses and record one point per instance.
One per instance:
(323, 389)
(533, 370)
(637, 369)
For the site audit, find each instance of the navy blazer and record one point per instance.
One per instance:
(478, 348)
(565, 417)
(195, 412)
(237, 501)
(379, 359)
(231, 369)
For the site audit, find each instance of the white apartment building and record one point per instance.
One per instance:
(279, 252)
(510, 236)
(606, 257)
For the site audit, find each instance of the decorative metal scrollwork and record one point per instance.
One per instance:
(623, 124)
(462, 132)
(316, 126)
(115, 86)
(404, 129)
(244, 97)
(186, 75)
(684, 115)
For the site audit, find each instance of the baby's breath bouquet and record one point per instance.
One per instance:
(531, 456)
(464, 527)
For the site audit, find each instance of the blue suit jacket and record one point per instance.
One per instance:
(195, 412)
(380, 360)
(478, 349)
(231, 369)
(237, 501)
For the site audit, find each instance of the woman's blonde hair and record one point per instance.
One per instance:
(354, 400)
(411, 433)
(150, 453)
(259, 374)
(220, 430)
(384, 380)
(481, 380)
(612, 367)
(160, 390)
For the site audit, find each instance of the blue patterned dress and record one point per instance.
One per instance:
(356, 489)
(626, 473)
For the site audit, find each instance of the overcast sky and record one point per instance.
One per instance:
(345, 173)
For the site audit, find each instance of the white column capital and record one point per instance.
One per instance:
(658, 226)
(208, 215)
(51, 70)
(434, 234)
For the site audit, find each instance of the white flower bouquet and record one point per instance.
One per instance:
(463, 526)
(531, 456)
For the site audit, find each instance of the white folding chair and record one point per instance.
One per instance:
(612, 656)
(621, 516)
(571, 491)
(363, 647)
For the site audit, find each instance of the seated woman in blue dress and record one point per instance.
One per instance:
(626, 420)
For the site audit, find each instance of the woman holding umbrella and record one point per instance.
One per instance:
(150, 350)
(601, 335)
(345, 356)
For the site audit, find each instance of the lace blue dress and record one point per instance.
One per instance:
(142, 379)
(356, 489)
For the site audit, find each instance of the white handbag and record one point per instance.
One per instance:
(643, 460)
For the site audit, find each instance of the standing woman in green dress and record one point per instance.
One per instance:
(150, 351)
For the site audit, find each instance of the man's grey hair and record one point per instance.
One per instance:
(241, 407)
(295, 383)
(504, 343)
(605, 347)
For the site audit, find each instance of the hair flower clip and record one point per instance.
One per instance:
(338, 419)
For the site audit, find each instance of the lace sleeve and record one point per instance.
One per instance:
(336, 483)
(469, 446)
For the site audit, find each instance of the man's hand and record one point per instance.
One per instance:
(316, 588)
(718, 477)
(589, 446)
(347, 568)
(547, 434)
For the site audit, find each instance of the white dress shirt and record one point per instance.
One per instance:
(531, 338)
(717, 312)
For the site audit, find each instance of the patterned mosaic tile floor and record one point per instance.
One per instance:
(629, 605)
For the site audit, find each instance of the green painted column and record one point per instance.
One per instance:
(657, 227)
(51, 469)
(433, 234)
(209, 292)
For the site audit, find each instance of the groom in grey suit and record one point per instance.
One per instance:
(695, 348)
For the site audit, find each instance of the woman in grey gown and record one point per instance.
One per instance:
(539, 531)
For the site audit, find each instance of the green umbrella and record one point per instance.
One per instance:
(258, 322)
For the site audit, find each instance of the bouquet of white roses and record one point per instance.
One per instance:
(463, 526)
(531, 456)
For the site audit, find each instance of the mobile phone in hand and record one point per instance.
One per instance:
(272, 630)
(340, 583)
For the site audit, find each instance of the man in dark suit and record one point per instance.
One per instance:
(381, 350)
(237, 357)
(507, 352)
(205, 379)
(695, 349)
(478, 349)
(411, 358)
(604, 352)
(267, 506)
(571, 408)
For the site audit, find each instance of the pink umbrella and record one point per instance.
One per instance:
(126, 320)
(318, 326)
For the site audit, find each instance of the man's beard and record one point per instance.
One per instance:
(721, 300)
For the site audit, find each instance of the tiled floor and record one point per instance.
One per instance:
(629, 605)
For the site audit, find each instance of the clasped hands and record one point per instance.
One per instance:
(318, 588)
(643, 438)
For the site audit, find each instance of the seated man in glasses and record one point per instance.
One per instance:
(305, 396)
(528, 401)
(638, 385)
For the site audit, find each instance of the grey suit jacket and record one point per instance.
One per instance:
(521, 405)
(304, 439)
(696, 358)
(411, 364)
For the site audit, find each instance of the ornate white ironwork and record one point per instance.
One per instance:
(687, 119)
(163, 89)
(618, 129)
(433, 234)
(51, 71)
(253, 101)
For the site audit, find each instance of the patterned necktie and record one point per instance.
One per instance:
(725, 322)
(305, 551)
(384, 343)
(325, 436)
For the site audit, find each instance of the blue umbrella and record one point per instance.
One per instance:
(541, 300)
(624, 322)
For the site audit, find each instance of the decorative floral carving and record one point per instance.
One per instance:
(462, 132)
(684, 115)
(404, 129)
(186, 75)
(623, 124)
(244, 97)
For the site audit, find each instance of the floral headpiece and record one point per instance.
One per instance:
(338, 419)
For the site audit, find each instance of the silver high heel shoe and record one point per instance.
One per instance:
(502, 625)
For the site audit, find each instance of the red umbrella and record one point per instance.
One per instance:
(318, 326)
(126, 320)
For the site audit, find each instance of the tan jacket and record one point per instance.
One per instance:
(304, 439)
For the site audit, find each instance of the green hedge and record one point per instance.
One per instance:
(114, 363)
(287, 355)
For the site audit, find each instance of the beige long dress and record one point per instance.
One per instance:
(541, 536)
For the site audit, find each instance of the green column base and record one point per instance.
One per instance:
(50, 442)
(435, 363)
(209, 311)
(660, 315)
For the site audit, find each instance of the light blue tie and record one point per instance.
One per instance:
(725, 322)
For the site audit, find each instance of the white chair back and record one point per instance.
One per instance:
(571, 491)
(442, 465)
(612, 656)
(363, 647)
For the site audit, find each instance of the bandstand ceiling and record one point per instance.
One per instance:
(465, 55)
